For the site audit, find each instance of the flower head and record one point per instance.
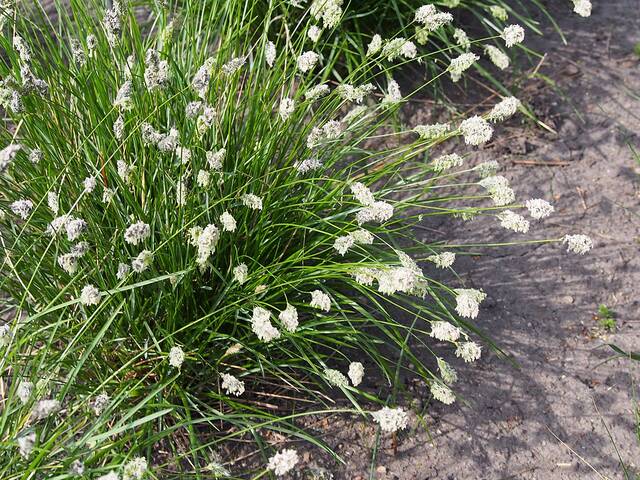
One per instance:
(232, 385)
(539, 208)
(476, 130)
(356, 373)
(176, 357)
(579, 244)
(320, 300)
(391, 419)
(284, 461)
(468, 301)
(512, 35)
(90, 295)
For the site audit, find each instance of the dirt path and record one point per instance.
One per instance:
(542, 302)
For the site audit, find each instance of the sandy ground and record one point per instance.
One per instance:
(563, 413)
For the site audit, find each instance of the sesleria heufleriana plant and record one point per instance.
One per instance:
(201, 233)
(352, 25)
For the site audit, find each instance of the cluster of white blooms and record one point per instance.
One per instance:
(26, 442)
(539, 208)
(442, 393)
(137, 232)
(376, 212)
(579, 244)
(5, 335)
(448, 374)
(45, 408)
(287, 106)
(109, 476)
(123, 270)
(445, 162)
(22, 208)
(176, 357)
(203, 178)
(205, 240)
(75, 227)
(399, 47)
(35, 155)
(89, 184)
(112, 23)
(156, 71)
(329, 131)
(77, 468)
(320, 300)
(476, 130)
(123, 97)
(443, 260)
(460, 64)
(445, 331)
(241, 273)
(270, 53)
(362, 193)
(512, 35)
(314, 33)
(307, 61)
(391, 419)
(261, 325)
(284, 461)
(499, 12)
(89, 295)
(487, 169)
(205, 119)
(24, 391)
(512, 221)
(504, 109)
(215, 158)
(316, 92)
(355, 94)
(407, 278)
(497, 56)
(142, 261)
(125, 171)
(393, 95)
(375, 45)
(135, 469)
(200, 81)
(8, 155)
(233, 65)
(289, 318)
(460, 36)
(329, 11)
(307, 165)
(356, 373)
(431, 19)
(432, 132)
(252, 201)
(468, 301)
(335, 378)
(53, 202)
(118, 128)
(582, 7)
(100, 403)
(343, 244)
(232, 385)
(468, 351)
(498, 188)
(228, 222)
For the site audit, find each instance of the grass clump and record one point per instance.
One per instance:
(202, 233)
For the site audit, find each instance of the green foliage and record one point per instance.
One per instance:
(606, 318)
